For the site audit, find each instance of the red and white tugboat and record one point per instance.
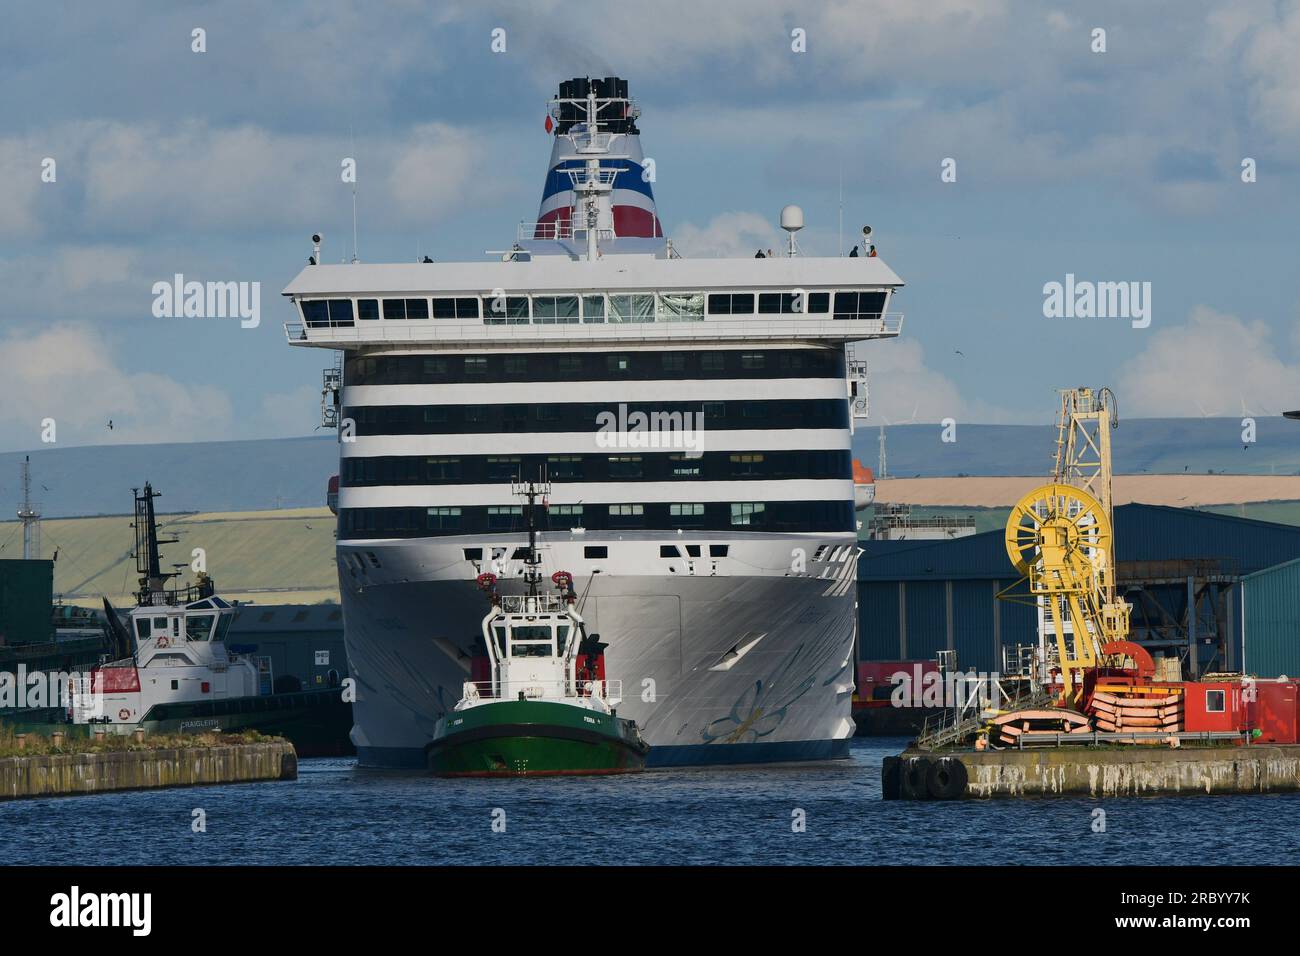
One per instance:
(175, 673)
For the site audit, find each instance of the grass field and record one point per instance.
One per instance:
(281, 557)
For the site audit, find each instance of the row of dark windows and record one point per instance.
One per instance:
(791, 516)
(619, 466)
(663, 424)
(588, 309)
(593, 366)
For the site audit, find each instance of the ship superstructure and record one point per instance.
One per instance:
(695, 416)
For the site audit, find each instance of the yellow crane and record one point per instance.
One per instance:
(1060, 537)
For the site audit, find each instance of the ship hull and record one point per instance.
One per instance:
(529, 738)
(716, 668)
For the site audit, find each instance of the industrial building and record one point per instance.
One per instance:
(1270, 614)
(917, 598)
(303, 641)
(26, 595)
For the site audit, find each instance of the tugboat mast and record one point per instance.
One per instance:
(530, 490)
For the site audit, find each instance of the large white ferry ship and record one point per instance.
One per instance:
(694, 417)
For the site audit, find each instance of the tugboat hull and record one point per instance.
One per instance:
(534, 738)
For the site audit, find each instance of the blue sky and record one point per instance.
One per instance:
(1115, 166)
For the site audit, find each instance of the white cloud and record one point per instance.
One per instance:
(69, 372)
(904, 389)
(1271, 65)
(1211, 365)
(117, 178)
(727, 235)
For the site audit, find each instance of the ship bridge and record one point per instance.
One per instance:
(643, 296)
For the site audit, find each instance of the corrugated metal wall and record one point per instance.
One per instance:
(965, 573)
(26, 599)
(1272, 621)
(978, 622)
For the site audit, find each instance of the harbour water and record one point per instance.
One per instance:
(337, 814)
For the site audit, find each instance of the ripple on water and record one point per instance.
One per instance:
(335, 813)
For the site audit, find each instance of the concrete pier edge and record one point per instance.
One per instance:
(1090, 772)
(52, 775)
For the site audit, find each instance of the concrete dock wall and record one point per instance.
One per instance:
(62, 774)
(1092, 772)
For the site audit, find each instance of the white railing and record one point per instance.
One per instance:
(558, 229)
(610, 691)
(446, 330)
(544, 603)
(555, 229)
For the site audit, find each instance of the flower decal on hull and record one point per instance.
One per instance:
(764, 704)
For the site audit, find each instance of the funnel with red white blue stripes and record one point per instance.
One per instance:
(615, 131)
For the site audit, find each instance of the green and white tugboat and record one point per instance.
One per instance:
(547, 709)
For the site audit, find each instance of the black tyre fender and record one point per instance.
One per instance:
(914, 775)
(891, 778)
(946, 779)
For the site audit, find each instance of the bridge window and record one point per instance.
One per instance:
(859, 305)
(631, 308)
(406, 308)
(460, 308)
(367, 309)
(731, 303)
(681, 306)
(713, 362)
(512, 311)
(198, 627)
(593, 308)
(333, 313)
(574, 511)
(747, 512)
(555, 309)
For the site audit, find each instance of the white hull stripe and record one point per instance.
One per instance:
(579, 443)
(594, 493)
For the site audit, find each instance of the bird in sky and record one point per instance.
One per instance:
(110, 424)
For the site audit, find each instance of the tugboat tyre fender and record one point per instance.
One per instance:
(946, 779)
(912, 782)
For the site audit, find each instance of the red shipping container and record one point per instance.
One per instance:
(1273, 711)
(1212, 707)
